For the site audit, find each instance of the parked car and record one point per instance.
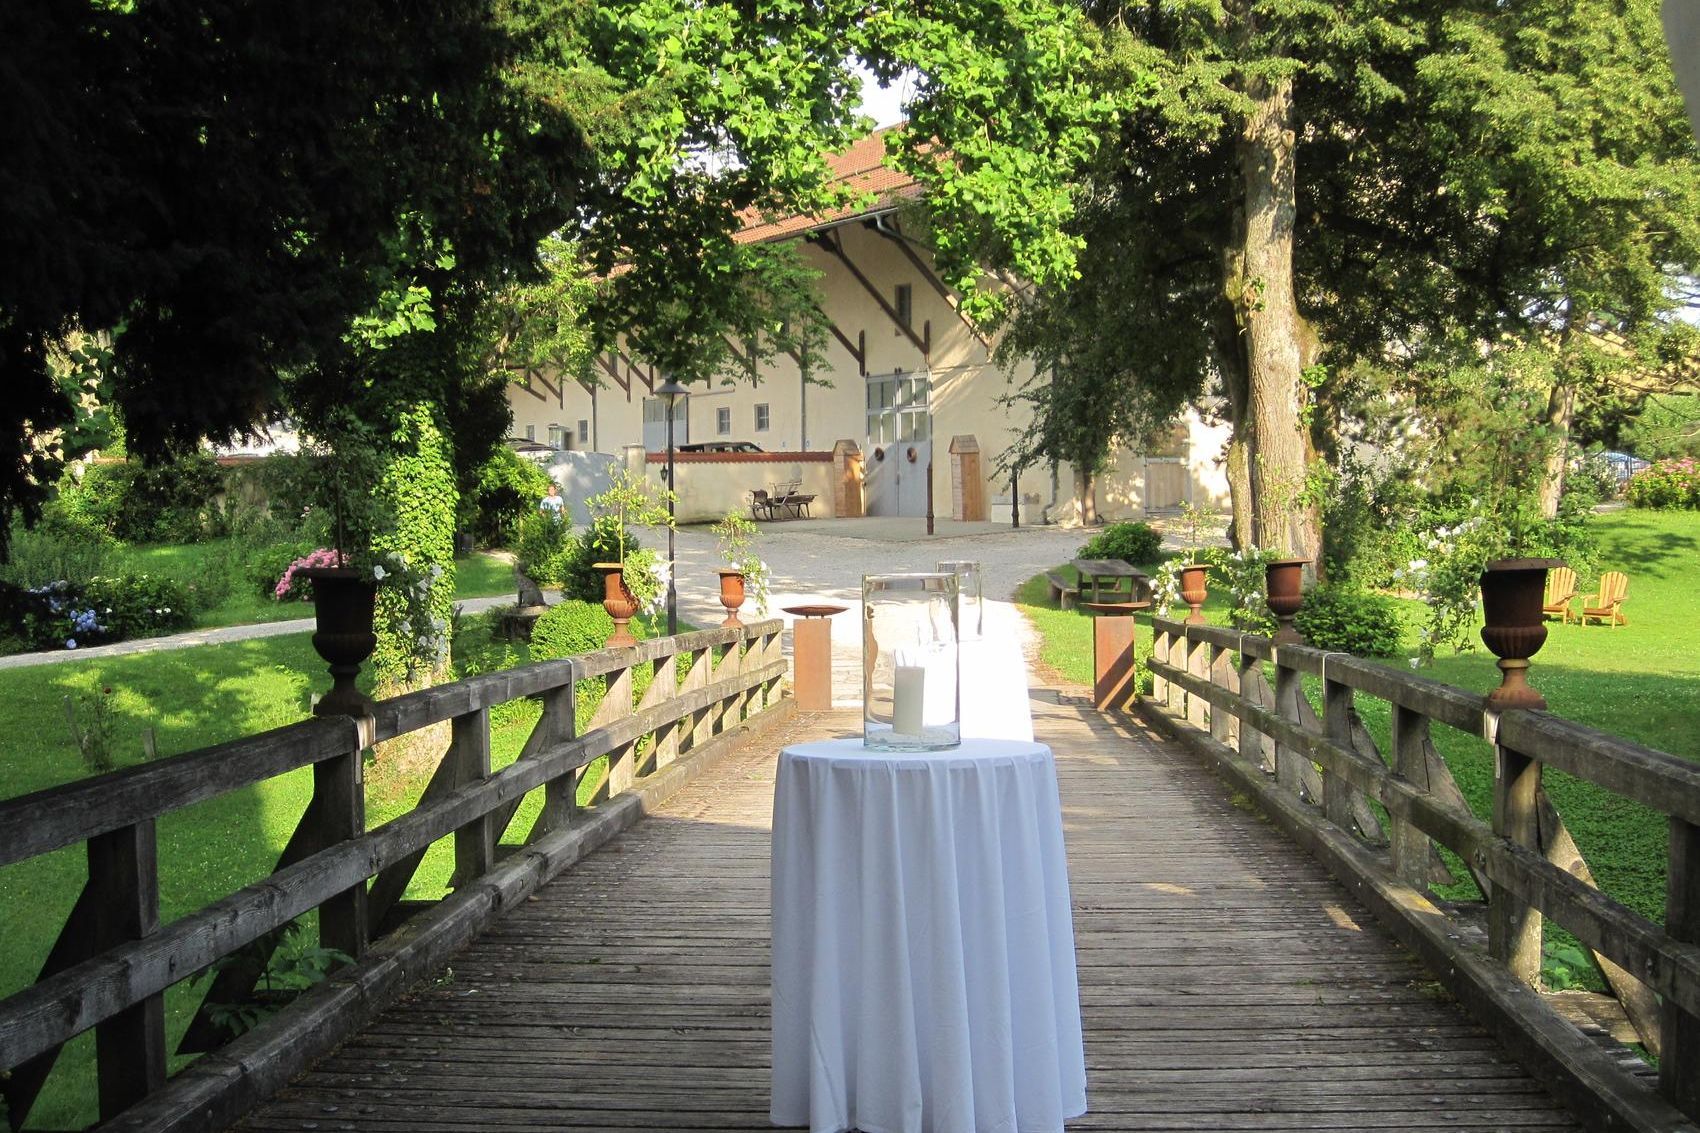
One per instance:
(720, 446)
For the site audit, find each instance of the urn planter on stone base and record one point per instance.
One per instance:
(1513, 591)
(1284, 580)
(343, 603)
(619, 603)
(1194, 576)
(731, 593)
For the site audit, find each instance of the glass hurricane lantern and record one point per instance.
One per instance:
(911, 662)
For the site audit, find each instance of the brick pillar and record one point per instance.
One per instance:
(847, 480)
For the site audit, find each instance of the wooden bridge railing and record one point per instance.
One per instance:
(113, 960)
(1316, 777)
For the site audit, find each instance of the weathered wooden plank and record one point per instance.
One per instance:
(475, 843)
(60, 816)
(1514, 928)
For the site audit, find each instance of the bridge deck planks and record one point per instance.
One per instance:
(1226, 981)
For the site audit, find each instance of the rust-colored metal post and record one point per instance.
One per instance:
(811, 655)
(1112, 669)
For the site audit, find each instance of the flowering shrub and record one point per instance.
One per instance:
(104, 609)
(1244, 576)
(1667, 484)
(1447, 573)
(1166, 587)
(301, 589)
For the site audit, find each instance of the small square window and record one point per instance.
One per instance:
(583, 431)
(557, 437)
(531, 432)
(905, 304)
(761, 418)
(723, 422)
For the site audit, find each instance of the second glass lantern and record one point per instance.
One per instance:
(971, 598)
(911, 662)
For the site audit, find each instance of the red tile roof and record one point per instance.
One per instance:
(862, 168)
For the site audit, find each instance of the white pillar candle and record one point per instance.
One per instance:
(908, 698)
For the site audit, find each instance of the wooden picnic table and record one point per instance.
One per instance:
(1112, 581)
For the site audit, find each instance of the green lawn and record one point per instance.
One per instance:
(483, 575)
(191, 698)
(1640, 681)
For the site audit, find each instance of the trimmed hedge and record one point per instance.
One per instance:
(1130, 542)
(1341, 619)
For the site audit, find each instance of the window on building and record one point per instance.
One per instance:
(531, 432)
(723, 421)
(557, 437)
(583, 431)
(897, 408)
(761, 418)
(905, 304)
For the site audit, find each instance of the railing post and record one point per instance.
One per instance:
(1177, 660)
(1337, 726)
(1198, 710)
(1289, 773)
(1410, 846)
(1160, 651)
(617, 705)
(1514, 927)
(667, 736)
(336, 814)
(1679, 1065)
(1224, 725)
(130, 1046)
(475, 843)
(560, 794)
(1255, 747)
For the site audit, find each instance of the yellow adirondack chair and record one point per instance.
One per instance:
(1561, 591)
(1606, 605)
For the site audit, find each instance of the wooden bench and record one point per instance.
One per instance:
(1063, 592)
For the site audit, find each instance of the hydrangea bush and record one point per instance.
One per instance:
(1667, 484)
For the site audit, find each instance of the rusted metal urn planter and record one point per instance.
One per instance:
(343, 603)
(619, 603)
(1512, 594)
(1284, 580)
(731, 593)
(1193, 591)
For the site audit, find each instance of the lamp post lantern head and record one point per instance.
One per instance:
(670, 391)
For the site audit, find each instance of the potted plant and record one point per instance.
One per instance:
(1193, 573)
(744, 573)
(1284, 586)
(1513, 627)
(635, 578)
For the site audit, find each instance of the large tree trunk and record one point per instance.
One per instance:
(1561, 410)
(1229, 352)
(1268, 312)
(1083, 492)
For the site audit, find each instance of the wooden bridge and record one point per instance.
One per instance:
(1228, 979)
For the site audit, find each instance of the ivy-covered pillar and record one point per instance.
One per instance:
(417, 496)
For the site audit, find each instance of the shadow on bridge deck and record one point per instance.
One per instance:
(1227, 982)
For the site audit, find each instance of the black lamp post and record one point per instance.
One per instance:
(670, 392)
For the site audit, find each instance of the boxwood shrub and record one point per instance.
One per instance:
(1346, 620)
(1130, 542)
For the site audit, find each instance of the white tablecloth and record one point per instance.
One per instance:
(923, 946)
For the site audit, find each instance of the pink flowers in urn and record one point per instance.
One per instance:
(323, 557)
